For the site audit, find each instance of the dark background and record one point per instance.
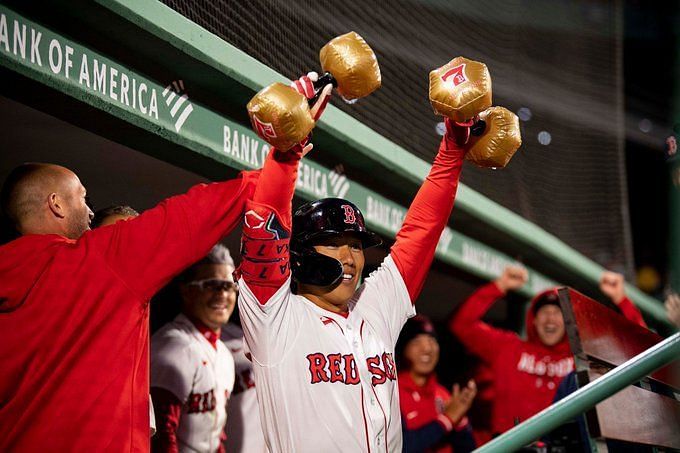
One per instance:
(650, 70)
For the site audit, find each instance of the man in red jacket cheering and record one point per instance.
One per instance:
(74, 306)
(526, 372)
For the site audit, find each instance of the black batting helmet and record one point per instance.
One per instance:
(319, 220)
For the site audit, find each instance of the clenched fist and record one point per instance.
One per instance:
(512, 278)
(612, 285)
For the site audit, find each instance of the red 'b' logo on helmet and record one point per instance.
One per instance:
(456, 74)
(350, 216)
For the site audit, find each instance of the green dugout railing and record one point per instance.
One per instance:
(586, 397)
(152, 31)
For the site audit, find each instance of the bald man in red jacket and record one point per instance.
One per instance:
(74, 306)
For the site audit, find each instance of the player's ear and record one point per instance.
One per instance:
(55, 203)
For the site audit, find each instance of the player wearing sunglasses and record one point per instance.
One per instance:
(192, 371)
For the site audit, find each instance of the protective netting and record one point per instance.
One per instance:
(559, 60)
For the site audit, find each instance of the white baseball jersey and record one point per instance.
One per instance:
(185, 363)
(244, 430)
(327, 383)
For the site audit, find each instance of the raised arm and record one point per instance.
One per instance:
(477, 336)
(267, 226)
(612, 285)
(147, 251)
(430, 210)
(268, 218)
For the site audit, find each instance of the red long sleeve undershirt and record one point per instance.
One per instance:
(278, 177)
(274, 196)
(417, 239)
(167, 408)
(631, 312)
(425, 220)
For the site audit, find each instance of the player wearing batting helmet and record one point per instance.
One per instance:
(323, 355)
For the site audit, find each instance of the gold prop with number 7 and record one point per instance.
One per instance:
(461, 91)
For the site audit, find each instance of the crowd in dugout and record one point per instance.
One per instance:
(321, 359)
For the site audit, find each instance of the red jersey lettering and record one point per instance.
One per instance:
(202, 402)
(351, 371)
(379, 376)
(343, 368)
(390, 367)
(317, 364)
(334, 366)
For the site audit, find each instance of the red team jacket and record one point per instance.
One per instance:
(74, 352)
(421, 406)
(527, 373)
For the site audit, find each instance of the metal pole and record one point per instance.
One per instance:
(584, 398)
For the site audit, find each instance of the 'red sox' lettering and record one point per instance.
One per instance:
(201, 402)
(343, 368)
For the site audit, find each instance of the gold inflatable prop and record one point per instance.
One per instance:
(494, 139)
(281, 116)
(460, 89)
(353, 65)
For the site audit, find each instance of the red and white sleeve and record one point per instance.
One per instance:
(265, 242)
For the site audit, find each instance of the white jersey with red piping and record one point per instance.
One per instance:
(326, 382)
(202, 377)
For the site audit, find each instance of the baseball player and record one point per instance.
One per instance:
(323, 349)
(192, 371)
